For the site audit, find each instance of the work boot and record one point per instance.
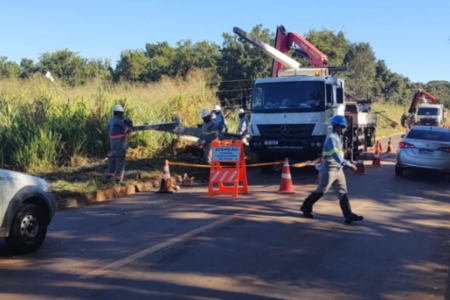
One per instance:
(307, 206)
(353, 218)
(121, 182)
(107, 178)
(344, 202)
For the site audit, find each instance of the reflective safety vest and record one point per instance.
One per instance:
(118, 134)
(332, 153)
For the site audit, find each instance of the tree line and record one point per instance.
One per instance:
(231, 67)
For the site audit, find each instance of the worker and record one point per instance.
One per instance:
(209, 133)
(118, 130)
(331, 173)
(243, 122)
(220, 120)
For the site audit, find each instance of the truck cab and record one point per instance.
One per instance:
(430, 114)
(291, 113)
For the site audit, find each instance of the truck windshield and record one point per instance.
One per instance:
(289, 96)
(428, 111)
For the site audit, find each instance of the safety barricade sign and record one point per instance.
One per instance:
(228, 173)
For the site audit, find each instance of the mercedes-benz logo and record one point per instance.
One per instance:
(284, 129)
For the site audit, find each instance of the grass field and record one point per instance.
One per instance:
(60, 133)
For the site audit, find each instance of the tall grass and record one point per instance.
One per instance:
(41, 128)
(392, 111)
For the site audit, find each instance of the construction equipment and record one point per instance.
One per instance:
(291, 110)
(427, 114)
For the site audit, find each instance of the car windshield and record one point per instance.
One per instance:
(429, 135)
(428, 111)
(289, 96)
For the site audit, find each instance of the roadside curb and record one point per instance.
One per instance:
(107, 194)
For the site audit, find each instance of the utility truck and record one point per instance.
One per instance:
(291, 110)
(425, 113)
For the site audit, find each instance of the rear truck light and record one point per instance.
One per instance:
(406, 145)
(445, 149)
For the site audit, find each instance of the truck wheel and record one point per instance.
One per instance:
(399, 171)
(28, 229)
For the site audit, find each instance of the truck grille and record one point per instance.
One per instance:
(286, 131)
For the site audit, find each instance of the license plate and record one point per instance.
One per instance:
(426, 152)
(271, 143)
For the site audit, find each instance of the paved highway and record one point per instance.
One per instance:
(190, 246)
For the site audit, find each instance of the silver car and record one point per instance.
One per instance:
(424, 147)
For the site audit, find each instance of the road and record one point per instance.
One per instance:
(255, 247)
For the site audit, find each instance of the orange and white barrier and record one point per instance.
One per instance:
(231, 177)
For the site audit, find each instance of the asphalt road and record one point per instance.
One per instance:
(190, 246)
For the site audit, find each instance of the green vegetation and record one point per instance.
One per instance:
(41, 129)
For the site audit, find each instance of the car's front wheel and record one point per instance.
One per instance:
(399, 171)
(28, 229)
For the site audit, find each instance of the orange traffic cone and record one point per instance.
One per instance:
(389, 150)
(360, 166)
(286, 186)
(377, 155)
(167, 186)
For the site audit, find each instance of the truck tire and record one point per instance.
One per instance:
(399, 171)
(28, 229)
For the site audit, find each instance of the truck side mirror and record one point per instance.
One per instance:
(340, 95)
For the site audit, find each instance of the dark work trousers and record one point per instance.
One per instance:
(116, 167)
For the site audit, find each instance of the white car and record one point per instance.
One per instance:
(27, 207)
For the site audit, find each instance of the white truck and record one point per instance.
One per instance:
(430, 114)
(291, 111)
(27, 207)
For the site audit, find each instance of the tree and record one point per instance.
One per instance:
(334, 46)
(362, 66)
(240, 64)
(132, 66)
(27, 68)
(8, 69)
(68, 66)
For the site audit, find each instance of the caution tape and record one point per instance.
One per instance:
(297, 165)
(266, 164)
(173, 163)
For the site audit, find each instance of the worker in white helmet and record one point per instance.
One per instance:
(210, 132)
(243, 122)
(118, 130)
(220, 120)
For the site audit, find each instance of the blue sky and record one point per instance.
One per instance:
(411, 36)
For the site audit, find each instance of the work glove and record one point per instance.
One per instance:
(128, 122)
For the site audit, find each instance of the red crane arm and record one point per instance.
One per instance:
(417, 95)
(285, 41)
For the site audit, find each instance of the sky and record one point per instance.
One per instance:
(411, 36)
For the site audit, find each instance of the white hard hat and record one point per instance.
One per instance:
(217, 107)
(205, 112)
(117, 108)
(241, 111)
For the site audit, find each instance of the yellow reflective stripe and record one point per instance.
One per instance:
(212, 132)
(331, 152)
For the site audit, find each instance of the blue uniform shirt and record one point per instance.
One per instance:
(332, 153)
